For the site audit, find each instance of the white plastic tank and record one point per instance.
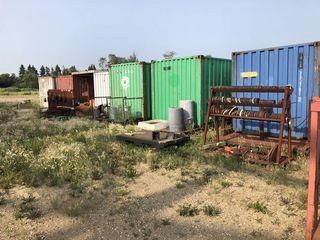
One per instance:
(176, 120)
(188, 107)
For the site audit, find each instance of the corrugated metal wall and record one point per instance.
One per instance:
(45, 84)
(101, 87)
(173, 80)
(64, 82)
(216, 72)
(281, 66)
(187, 78)
(131, 80)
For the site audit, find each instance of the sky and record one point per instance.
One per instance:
(79, 32)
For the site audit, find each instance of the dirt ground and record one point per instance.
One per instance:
(18, 98)
(148, 210)
(147, 206)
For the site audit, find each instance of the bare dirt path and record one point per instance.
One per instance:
(146, 208)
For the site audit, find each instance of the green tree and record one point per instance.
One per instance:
(169, 55)
(72, 69)
(22, 70)
(133, 58)
(92, 67)
(102, 63)
(47, 70)
(42, 71)
(57, 70)
(53, 72)
(30, 80)
(114, 59)
(65, 71)
(7, 80)
(34, 70)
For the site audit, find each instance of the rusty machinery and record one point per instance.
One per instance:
(265, 149)
(60, 101)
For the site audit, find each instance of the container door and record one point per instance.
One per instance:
(127, 89)
(291, 65)
(101, 88)
(316, 88)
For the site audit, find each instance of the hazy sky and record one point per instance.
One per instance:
(78, 32)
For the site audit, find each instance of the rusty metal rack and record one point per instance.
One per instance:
(224, 108)
(313, 220)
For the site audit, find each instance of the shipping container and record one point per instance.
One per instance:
(45, 84)
(83, 86)
(188, 78)
(64, 82)
(101, 87)
(295, 65)
(130, 86)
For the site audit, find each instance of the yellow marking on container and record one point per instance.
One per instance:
(249, 74)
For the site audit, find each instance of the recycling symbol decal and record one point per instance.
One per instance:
(125, 82)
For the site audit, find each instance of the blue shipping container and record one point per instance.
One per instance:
(295, 65)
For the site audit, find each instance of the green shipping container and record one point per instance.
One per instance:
(132, 81)
(187, 78)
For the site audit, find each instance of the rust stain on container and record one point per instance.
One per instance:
(64, 82)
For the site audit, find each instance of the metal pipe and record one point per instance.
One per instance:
(274, 89)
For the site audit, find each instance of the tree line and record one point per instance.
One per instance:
(28, 76)
(105, 63)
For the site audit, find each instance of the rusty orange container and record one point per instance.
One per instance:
(83, 86)
(64, 82)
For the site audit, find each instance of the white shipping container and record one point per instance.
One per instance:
(101, 87)
(45, 84)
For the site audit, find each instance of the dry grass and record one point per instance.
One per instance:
(85, 179)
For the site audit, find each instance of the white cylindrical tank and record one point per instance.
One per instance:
(176, 120)
(188, 107)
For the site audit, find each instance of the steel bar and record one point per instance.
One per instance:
(282, 123)
(231, 101)
(272, 89)
(206, 126)
(294, 142)
(275, 105)
(249, 118)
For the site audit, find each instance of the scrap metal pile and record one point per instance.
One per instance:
(263, 148)
(62, 103)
